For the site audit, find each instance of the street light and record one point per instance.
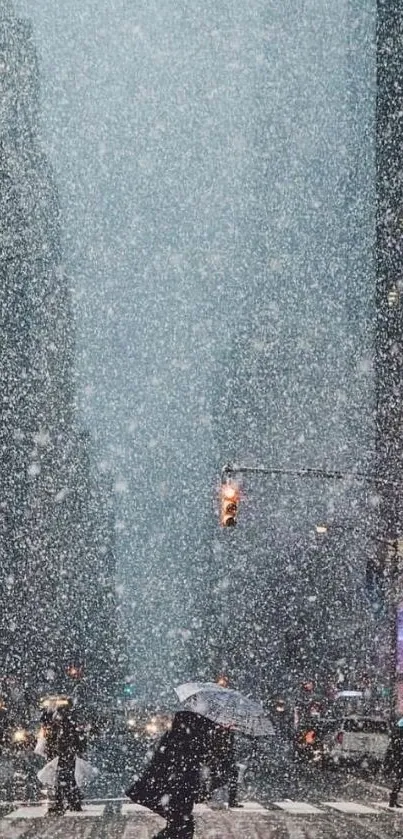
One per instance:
(74, 671)
(393, 296)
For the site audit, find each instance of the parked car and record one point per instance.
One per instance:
(357, 740)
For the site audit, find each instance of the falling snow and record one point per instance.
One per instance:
(191, 243)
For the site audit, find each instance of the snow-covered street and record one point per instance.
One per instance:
(313, 818)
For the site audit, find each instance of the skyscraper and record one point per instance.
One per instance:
(389, 313)
(56, 540)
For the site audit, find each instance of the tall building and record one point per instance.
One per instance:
(58, 602)
(389, 323)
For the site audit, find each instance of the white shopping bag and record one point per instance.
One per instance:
(48, 774)
(84, 773)
(241, 773)
(40, 748)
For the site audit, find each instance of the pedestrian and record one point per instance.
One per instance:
(224, 770)
(172, 782)
(64, 741)
(3, 723)
(394, 761)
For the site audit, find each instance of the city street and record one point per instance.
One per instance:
(201, 518)
(309, 804)
(344, 818)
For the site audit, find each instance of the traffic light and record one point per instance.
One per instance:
(229, 501)
(75, 671)
(128, 690)
(308, 686)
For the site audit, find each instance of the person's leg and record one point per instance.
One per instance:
(56, 803)
(395, 790)
(180, 822)
(74, 797)
(179, 826)
(72, 792)
(233, 785)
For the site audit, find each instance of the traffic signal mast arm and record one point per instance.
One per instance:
(230, 491)
(233, 469)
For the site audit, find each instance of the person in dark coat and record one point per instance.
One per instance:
(64, 741)
(3, 723)
(224, 771)
(394, 761)
(171, 783)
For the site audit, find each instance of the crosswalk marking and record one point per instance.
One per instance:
(203, 808)
(130, 809)
(250, 807)
(89, 810)
(136, 831)
(352, 807)
(37, 811)
(288, 806)
(297, 807)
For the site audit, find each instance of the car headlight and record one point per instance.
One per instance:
(157, 725)
(20, 735)
(151, 728)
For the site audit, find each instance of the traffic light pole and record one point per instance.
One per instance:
(393, 579)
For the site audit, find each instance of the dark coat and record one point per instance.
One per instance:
(222, 761)
(394, 755)
(63, 737)
(171, 782)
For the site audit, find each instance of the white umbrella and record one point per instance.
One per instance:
(226, 707)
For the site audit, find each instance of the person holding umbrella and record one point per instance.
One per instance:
(223, 767)
(224, 771)
(172, 782)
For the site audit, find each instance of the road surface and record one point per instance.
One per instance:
(359, 813)
(282, 800)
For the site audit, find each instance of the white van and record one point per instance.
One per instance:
(357, 739)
